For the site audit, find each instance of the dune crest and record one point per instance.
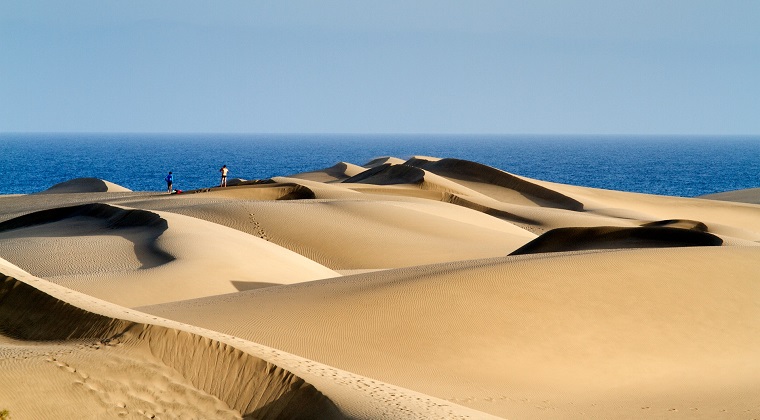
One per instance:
(382, 161)
(389, 174)
(114, 217)
(337, 172)
(263, 191)
(475, 172)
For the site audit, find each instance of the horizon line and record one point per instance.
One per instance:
(377, 133)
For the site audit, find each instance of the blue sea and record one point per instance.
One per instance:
(668, 165)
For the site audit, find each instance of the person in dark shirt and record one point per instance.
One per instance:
(169, 181)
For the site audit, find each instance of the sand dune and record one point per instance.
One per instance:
(337, 172)
(751, 196)
(561, 335)
(136, 257)
(646, 207)
(84, 185)
(382, 161)
(427, 288)
(268, 191)
(388, 174)
(355, 234)
(486, 178)
(93, 359)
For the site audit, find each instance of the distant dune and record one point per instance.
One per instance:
(751, 196)
(421, 288)
(84, 185)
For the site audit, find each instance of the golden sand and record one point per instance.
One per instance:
(428, 288)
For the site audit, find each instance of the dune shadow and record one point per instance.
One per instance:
(295, 405)
(242, 286)
(612, 237)
(77, 185)
(389, 174)
(141, 227)
(29, 314)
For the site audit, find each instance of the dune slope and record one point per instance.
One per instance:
(94, 359)
(137, 257)
(66, 344)
(603, 332)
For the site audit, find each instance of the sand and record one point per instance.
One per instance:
(427, 288)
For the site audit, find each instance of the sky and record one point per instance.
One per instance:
(391, 66)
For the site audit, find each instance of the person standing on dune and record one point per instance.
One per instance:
(224, 171)
(169, 181)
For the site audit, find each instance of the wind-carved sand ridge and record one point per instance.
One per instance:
(253, 387)
(418, 288)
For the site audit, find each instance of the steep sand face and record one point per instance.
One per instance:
(95, 366)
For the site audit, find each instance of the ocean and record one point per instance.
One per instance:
(684, 166)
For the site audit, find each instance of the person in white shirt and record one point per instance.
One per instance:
(224, 171)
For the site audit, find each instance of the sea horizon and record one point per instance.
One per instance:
(680, 165)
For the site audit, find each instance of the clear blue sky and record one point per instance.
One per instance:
(391, 66)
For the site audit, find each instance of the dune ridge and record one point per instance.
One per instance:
(388, 174)
(248, 384)
(114, 217)
(335, 173)
(475, 172)
(257, 381)
(258, 190)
